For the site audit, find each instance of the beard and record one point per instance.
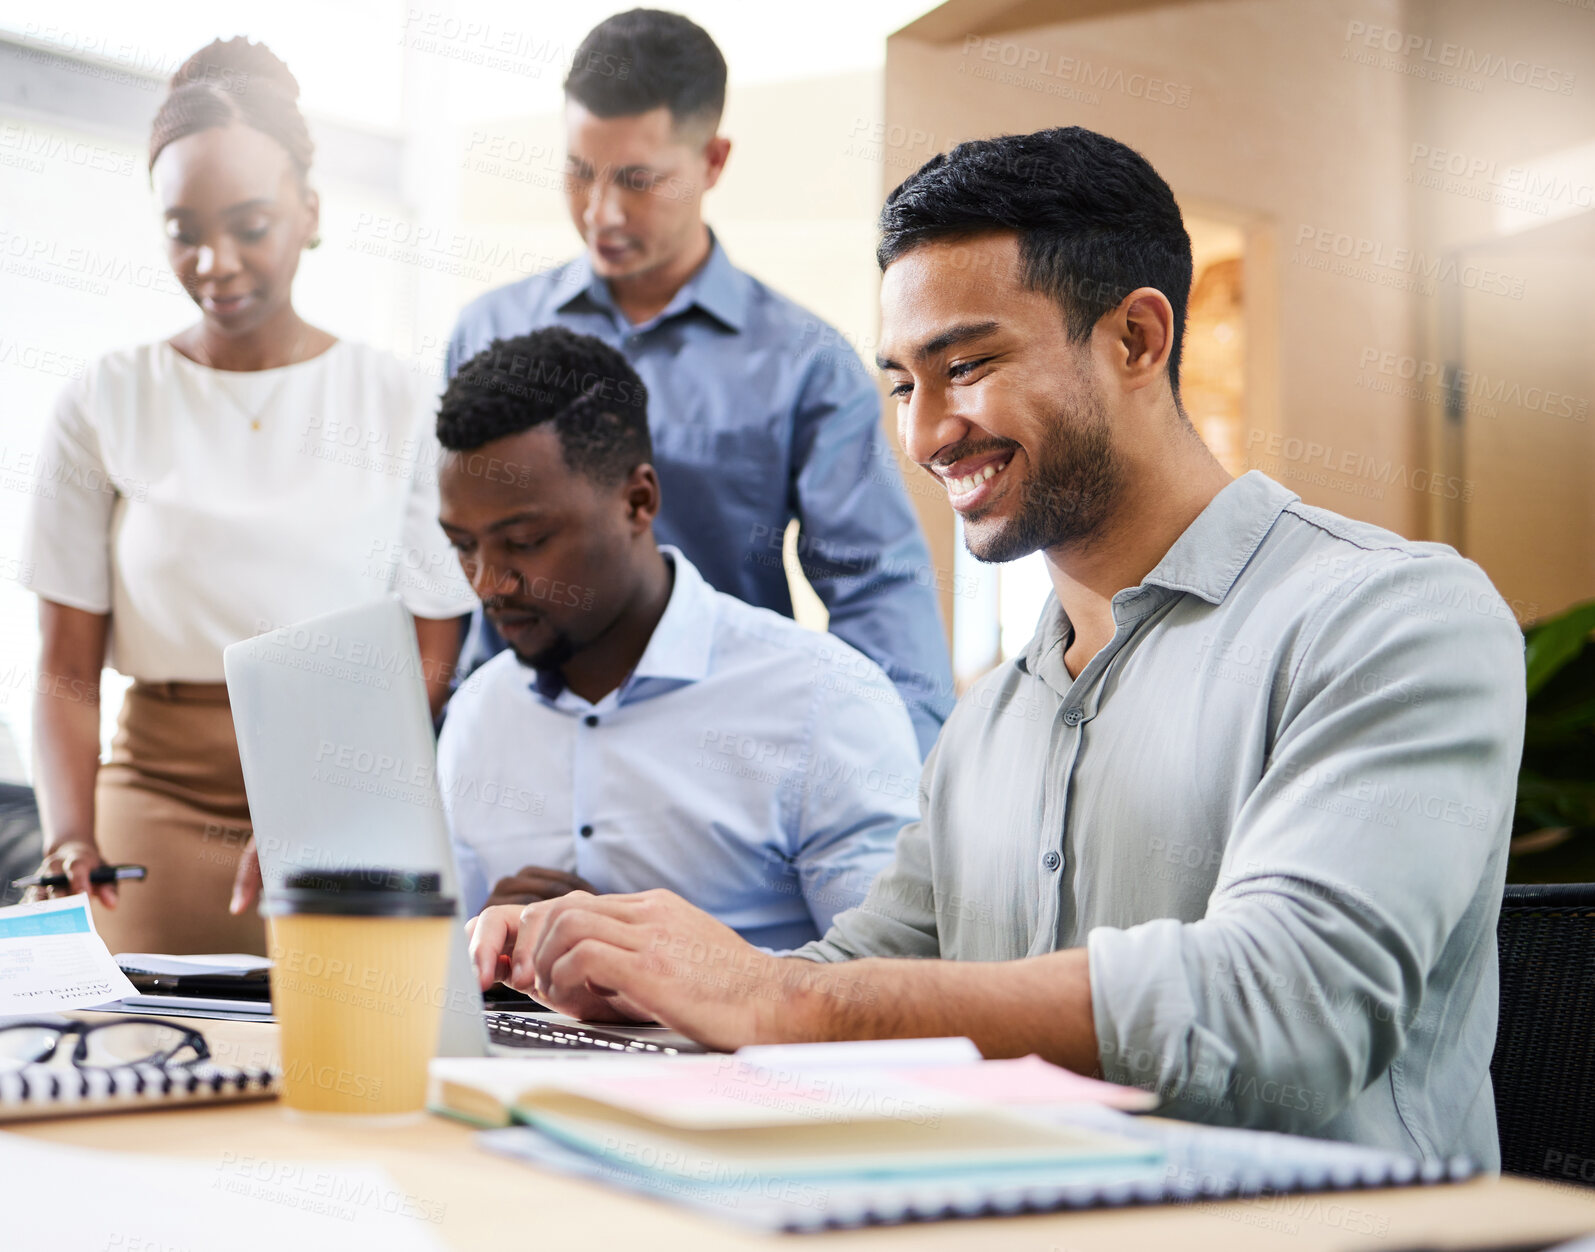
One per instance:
(1074, 485)
(552, 657)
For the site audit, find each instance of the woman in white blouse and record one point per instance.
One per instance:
(250, 472)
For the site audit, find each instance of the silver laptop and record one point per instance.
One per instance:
(340, 767)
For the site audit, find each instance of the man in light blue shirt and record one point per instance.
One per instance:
(643, 730)
(760, 411)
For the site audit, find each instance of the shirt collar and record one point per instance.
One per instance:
(1052, 630)
(1208, 558)
(684, 637)
(719, 288)
(548, 683)
(1204, 561)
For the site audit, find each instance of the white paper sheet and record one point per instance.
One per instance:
(863, 1054)
(82, 1200)
(52, 960)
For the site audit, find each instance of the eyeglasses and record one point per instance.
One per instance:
(102, 1045)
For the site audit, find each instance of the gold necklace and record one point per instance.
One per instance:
(254, 417)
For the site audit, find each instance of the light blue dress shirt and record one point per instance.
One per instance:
(756, 768)
(760, 412)
(1274, 809)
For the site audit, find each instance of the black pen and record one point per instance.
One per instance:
(98, 876)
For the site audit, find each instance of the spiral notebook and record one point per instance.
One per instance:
(1193, 1163)
(33, 1092)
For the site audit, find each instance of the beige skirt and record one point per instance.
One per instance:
(172, 799)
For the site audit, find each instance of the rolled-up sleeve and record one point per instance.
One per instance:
(1380, 822)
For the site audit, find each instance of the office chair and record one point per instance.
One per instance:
(20, 844)
(1544, 1063)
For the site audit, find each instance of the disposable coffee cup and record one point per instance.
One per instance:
(358, 981)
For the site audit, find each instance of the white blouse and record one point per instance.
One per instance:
(199, 507)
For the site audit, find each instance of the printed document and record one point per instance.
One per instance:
(52, 960)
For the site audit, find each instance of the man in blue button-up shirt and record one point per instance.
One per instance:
(761, 412)
(643, 730)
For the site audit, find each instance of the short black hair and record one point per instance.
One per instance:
(1094, 219)
(637, 61)
(588, 390)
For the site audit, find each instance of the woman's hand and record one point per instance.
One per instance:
(76, 858)
(246, 882)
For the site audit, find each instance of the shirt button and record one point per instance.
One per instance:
(591, 719)
(1052, 860)
(587, 832)
(1073, 717)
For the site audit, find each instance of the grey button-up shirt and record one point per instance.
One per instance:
(1275, 810)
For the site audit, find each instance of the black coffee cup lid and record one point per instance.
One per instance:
(365, 892)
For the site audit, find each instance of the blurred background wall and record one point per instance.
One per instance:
(1394, 314)
(1390, 204)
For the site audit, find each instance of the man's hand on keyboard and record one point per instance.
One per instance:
(500, 948)
(644, 957)
(532, 883)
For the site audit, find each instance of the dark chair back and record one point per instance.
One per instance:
(1544, 1064)
(20, 844)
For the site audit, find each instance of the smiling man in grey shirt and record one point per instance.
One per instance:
(1234, 826)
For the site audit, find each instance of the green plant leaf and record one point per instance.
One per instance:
(1556, 781)
(1554, 642)
(1562, 726)
(1554, 801)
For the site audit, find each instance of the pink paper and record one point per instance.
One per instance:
(1027, 1081)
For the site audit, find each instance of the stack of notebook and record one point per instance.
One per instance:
(828, 1136)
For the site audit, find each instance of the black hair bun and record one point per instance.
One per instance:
(237, 65)
(234, 80)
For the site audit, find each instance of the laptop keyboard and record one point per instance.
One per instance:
(521, 1030)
